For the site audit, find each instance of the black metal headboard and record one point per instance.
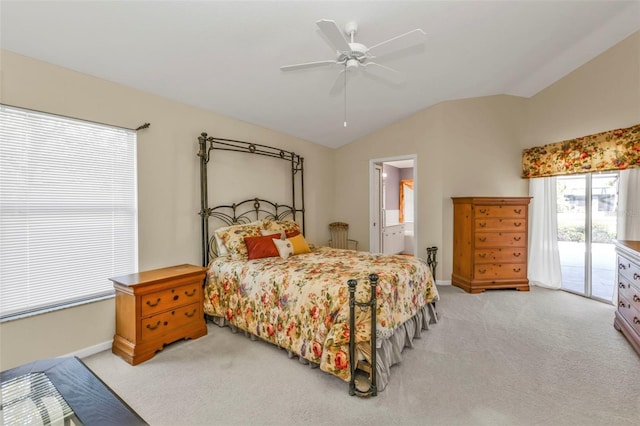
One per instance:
(254, 208)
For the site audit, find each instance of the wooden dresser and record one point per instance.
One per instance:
(155, 308)
(627, 317)
(490, 243)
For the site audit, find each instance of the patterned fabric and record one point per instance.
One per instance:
(281, 225)
(302, 303)
(233, 238)
(613, 150)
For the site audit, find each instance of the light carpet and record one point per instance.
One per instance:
(542, 357)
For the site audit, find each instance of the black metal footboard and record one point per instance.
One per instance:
(371, 303)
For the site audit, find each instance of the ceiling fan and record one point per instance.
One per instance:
(352, 56)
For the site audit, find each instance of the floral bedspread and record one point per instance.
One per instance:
(302, 303)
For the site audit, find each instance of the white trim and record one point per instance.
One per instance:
(372, 162)
(443, 282)
(91, 350)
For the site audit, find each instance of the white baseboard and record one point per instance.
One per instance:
(443, 282)
(91, 350)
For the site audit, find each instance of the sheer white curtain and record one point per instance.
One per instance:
(544, 257)
(629, 204)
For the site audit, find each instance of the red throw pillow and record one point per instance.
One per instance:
(291, 234)
(259, 247)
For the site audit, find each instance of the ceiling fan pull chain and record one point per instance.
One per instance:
(345, 94)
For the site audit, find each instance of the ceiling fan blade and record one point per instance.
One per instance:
(386, 74)
(335, 36)
(402, 41)
(307, 65)
(338, 84)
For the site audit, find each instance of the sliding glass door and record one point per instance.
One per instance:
(587, 221)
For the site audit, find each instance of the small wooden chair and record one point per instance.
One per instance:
(340, 236)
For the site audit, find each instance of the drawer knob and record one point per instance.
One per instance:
(636, 276)
(153, 304)
(153, 327)
(517, 238)
(516, 269)
(636, 298)
(176, 297)
(190, 315)
(517, 211)
(516, 254)
(636, 320)
(483, 211)
(483, 239)
(482, 224)
(186, 293)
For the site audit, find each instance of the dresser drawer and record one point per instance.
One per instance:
(629, 270)
(630, 313)
(165, 322)
(496, 271)
(170, 298)
(501, 211)
(497, 255)
(500, 239)
(629, 292)
(500, 224)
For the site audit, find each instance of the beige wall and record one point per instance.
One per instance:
(472, 147)
(168, 186)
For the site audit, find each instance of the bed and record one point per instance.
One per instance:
(323, 305)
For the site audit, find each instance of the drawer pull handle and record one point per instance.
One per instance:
(482, 225)
(186, 293)
(517, 238)
(483, 211)
(621, 285)
(517, 211)
(153, 304)
(190, 315)
(636, 298)
(517, 224)
(482, 255)
(636, 276)
(176, 297)
(636, 320)
(483, 239)
(153, 327)
(482, 271)
(621, 266)
(515, 254)
(516, 269)
(621, 304)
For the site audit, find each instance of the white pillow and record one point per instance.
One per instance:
(285, 248)
(220, 247)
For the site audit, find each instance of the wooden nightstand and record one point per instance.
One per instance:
(155, 308)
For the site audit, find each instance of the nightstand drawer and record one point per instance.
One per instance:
(500, 239)
(497, 271)
(160, 324)
(497, 255)
(170, 298)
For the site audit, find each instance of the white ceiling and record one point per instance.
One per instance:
(224, 56)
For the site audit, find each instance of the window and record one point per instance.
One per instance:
(68, 210)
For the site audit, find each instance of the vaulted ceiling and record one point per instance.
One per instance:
(225, 56)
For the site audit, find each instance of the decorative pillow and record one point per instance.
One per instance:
(292, 246)
(259, 247)
(232, 238)
(279, 225)
(279, 233)
(220, 248)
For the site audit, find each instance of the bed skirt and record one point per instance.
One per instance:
(389, 350)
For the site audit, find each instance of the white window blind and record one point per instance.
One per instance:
(68, 210)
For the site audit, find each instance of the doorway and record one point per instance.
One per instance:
(393, 198)
(587, 225)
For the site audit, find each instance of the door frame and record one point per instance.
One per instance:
(373, 235)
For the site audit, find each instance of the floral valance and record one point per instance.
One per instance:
(612, 150)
